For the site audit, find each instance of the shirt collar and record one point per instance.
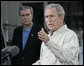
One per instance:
(28, 29)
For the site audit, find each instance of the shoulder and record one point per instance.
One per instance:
(71, 32)
(71, 35)
(18, 29)
(68, 31)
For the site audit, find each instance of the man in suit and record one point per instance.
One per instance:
(26, 37)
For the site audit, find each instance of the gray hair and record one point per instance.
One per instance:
(26, 7)
(58, 7)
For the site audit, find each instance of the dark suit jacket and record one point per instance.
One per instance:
(31, 52)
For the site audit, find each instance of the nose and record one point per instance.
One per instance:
(25, 17)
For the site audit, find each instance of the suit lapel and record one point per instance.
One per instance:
(21, 40)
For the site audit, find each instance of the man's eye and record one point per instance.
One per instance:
(51, 15)
(46, 16)
(22, 15)
(27, 14)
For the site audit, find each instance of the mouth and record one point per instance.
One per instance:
(25, 21)
(50, 24)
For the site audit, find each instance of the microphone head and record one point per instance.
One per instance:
(14, 50)
(5, 49)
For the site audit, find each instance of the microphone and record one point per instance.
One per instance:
(10, 51)
(4, 49)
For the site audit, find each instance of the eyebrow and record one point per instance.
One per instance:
(49, 15)
(25, 14)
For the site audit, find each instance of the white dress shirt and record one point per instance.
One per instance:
(61, 49)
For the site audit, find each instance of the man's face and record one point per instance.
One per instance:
(52, 19)
(26, 17)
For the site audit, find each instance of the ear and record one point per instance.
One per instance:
(32, 16)
(62, 18)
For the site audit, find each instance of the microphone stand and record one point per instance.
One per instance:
(9, 60)
(6, 61)
(3, 35)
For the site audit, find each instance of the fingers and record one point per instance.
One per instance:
(41, 37)
(41, 34)
(42, 29)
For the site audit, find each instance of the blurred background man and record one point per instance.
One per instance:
(26, 38)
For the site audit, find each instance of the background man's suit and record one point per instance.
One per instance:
(31, 52)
